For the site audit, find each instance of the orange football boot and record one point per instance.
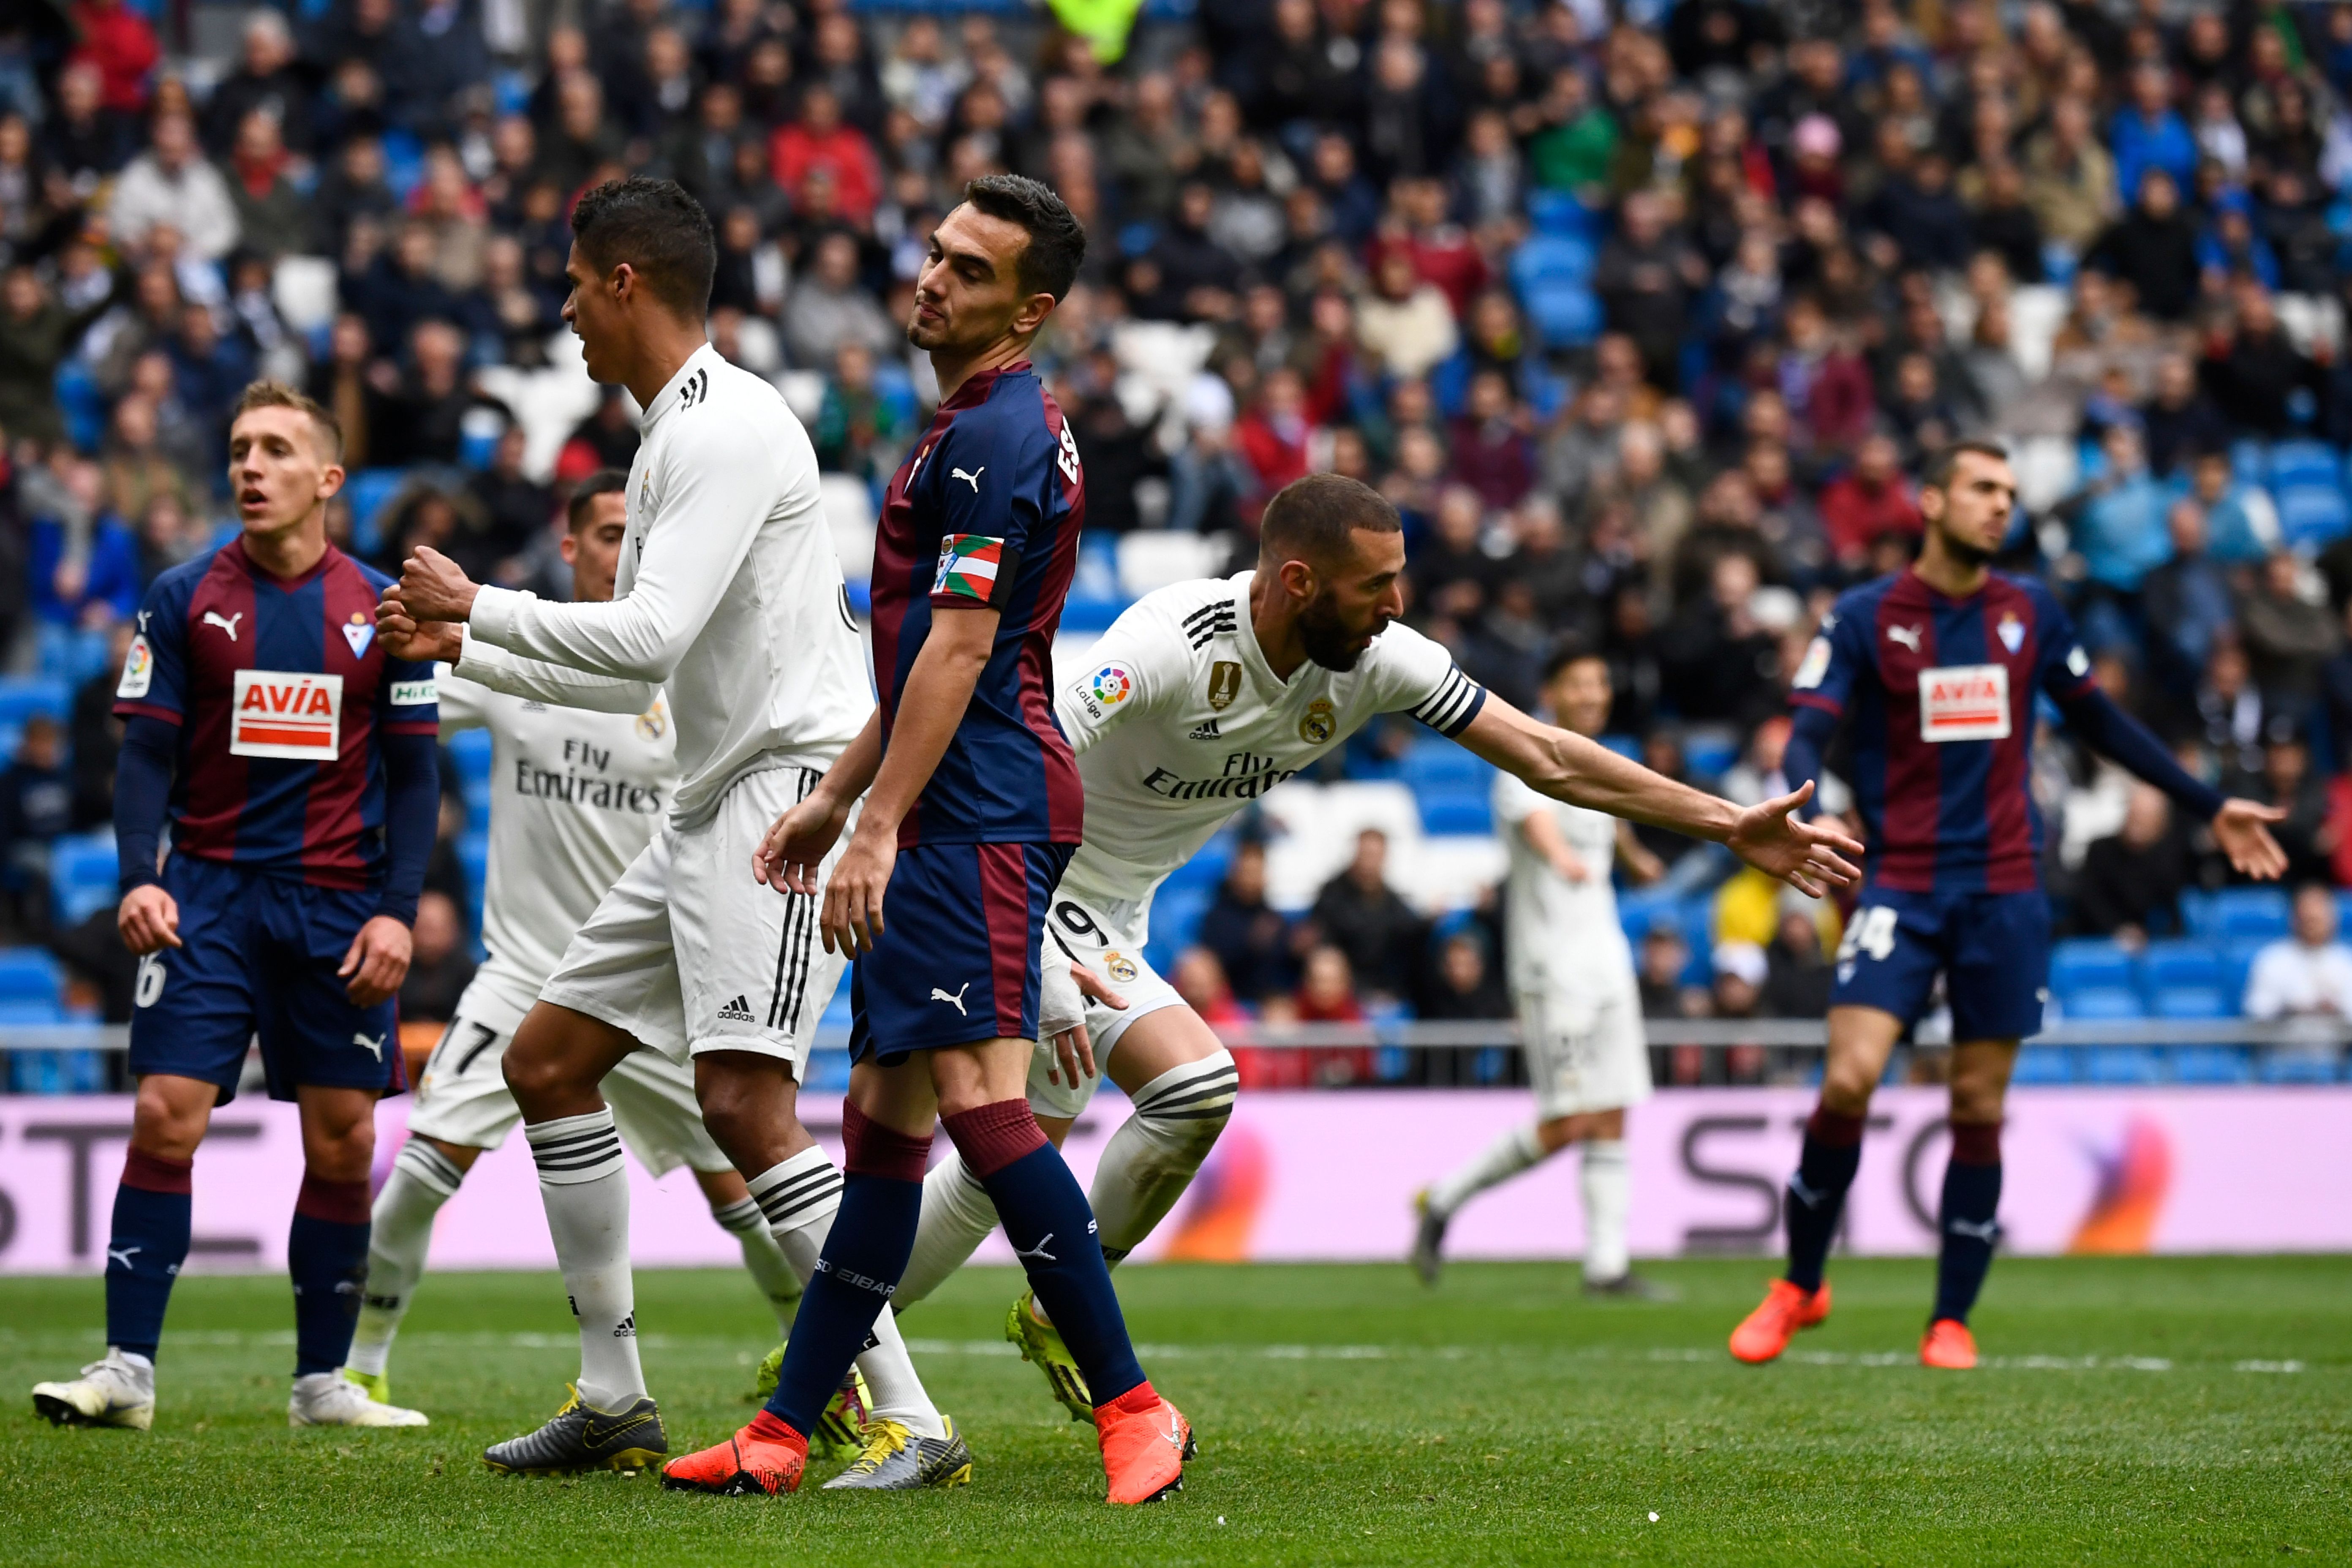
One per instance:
(1767, 1331)
(1947, 1344)
(1145, 1442)
(764, 1458)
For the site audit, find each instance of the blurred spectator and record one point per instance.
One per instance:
(2130, 883)
(1199, 978)
(2242, 523)
(818, 143)
(2180, 422)
(267, 81)
(1797, 975)
(1870, 500)
(1663, 958)
(36, 807)
(36, 334)
(2288, 632)
(1327, 989)
(171, 184)
(2308, 973)
(2118, 522)
(1465, 985)
(438, 968)
(2189, 601)
(1407, 323)
(2153, 248)
(120, 44)
(82, 138)
(828, 308)
(1376, 932)
(1740, 971)
(861, 430)
(2307, 832)
(95, 737)
(1248, 937)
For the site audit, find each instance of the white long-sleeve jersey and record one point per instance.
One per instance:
(1560, 933)
(573, 797)
(1178, 722)
(729, 595)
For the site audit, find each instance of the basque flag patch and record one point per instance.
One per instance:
(968, 564)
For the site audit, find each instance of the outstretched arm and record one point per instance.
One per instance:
(2240, 827)
(1809, 856)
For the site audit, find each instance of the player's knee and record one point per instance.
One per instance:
(1187, 1107)
(163, 1127)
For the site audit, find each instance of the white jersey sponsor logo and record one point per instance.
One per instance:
(294, 715)
(1964, 702)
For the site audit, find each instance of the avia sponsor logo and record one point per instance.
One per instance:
(1964, 702)
(296, 715)
(1248, 775)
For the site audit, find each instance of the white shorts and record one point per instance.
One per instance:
(462, 1096)
(689, 955)
(1585, 1048)
(1108, 937)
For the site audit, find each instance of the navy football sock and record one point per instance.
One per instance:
(145, 1248)
(858, 1267)
(1817, 1192)
(1971, 1199)
(326, 1252)
(1052, 1232)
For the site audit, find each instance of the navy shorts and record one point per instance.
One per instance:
(956, 961)
(1993, 949)
(258, 956)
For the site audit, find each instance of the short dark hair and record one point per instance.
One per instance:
(1310, 519)
(602, 482)
(1573, 648)
(1057, 241)
(277, 394)
(658, 229)
(1938, 474)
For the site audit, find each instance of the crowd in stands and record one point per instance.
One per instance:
(1644, 314)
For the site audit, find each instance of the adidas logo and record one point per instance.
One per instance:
(1207, 731)
(627, 1328)
(737, 1011)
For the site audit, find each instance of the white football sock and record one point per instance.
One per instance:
(770, 1270)
(423, 1179)
(585, 1186)
(1516, 1151)
(1152, 1157)
(957, 1217)
(800, 1199)
(1608, 1183)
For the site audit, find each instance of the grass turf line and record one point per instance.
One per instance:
(2137, 1414)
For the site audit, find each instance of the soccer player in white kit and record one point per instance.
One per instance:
(575, 797)
(729, 595)
(1201, 696)
(1579, 1005)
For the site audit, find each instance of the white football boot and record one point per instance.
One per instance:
(119, 1391)
(328, 1399)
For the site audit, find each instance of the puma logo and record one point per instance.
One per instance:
(1986, 1231)
(121, 1255)
(212, 618)
(1804, 1193)
(972, 478)
(955, 1001)
(374, 1046)
(1036, 1254)
(1907, 636)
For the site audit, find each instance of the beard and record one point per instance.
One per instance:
(1964, 554)
(1329, 640)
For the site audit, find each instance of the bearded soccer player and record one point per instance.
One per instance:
(293, 755)
(1201, 696)
(728, 602)
(574, 796)
(974, 808)
(1933, 672)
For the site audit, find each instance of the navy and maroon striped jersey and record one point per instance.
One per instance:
(279, 691)
(1938, 695)
(987, 512)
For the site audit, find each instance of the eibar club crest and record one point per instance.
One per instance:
(2011, 631)
(359, 631)
(1224, 684)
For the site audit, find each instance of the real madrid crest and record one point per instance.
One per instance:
(1224, 684)
(1318, 723)
(653, 721)
(1122, 967)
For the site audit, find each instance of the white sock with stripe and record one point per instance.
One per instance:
(768, 1267)
(800, 1196)
(1153, 1156)
(423, 1179)
(1516, 1151)
(957, 1217)
(585, 1186)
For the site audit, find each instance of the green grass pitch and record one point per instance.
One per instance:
(2133, 1411)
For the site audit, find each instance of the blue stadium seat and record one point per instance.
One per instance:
(1207, 869)
(1441, 764)
(2044, 1065)
(2250, 911)
(2298, 1067)
(83, 879)
(1175, 922)
(471, 748)
(2082, 963)
(1552, 258)
(1623, 745)
(2191, 1002)
(2311, 515)
(57, 1072)
(21, 696)
(2103, 1003)
(29, 978)
(2304, 463)
(2166, 964)
(1557, 212)
(1708, 756)
(366, 492)
(2131, 1065)
(2250, 461)
(1455, 811)
(474, 855)
(2211, 1064)
(2237, 960)
(1565, 314)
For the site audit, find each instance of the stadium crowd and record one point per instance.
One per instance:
(1644, 315)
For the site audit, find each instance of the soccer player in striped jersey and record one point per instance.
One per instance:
(1933, 672)
(1200, 698)
(292, 753)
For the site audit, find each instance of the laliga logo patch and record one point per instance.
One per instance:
(138, 670)
(1318, 723)
(1111, 685)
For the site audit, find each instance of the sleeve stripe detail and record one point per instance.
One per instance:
(411, 727)
(147, 710)
(1220, 624)
(1453, 705)
(1815, 700)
